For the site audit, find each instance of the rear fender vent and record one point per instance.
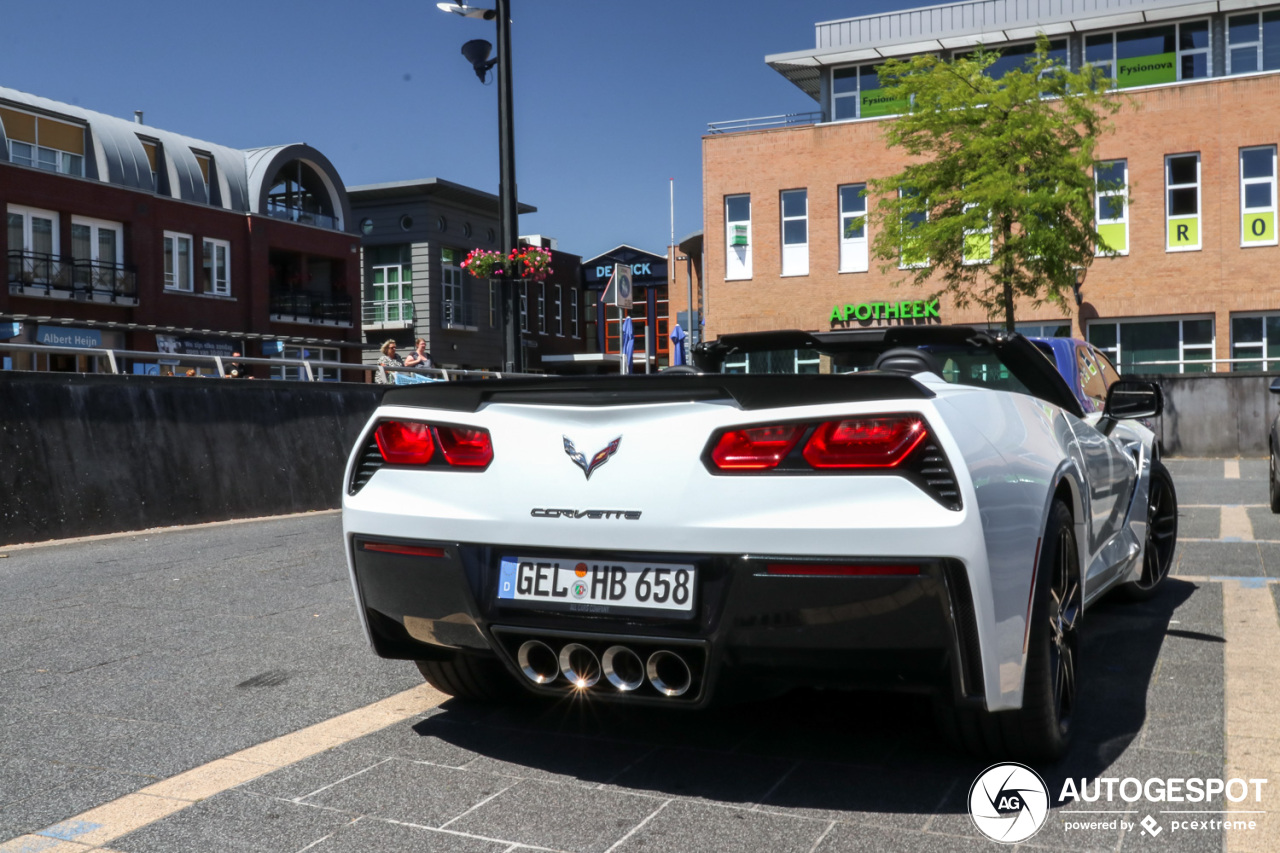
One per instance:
(929, 468)
(368, 464)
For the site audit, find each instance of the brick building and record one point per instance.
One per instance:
(1194, 281)
(125, 236)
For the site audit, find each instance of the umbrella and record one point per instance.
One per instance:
(677, 345)
(628, 344)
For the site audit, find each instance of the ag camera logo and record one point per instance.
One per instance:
(1008, 802)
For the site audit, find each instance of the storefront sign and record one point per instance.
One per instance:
(1259, 227)
(877, 102)
(904, 312)
(1146, 70)
(57, 336)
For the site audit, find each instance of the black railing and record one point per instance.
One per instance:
(312, 307)
(44, 274)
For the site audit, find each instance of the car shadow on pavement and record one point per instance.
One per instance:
(809, 750)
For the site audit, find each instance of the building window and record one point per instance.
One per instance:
(178, 262)
(909, 255)
(1182, 202)
(1258, 196)
(494, 311)
(391, 285)
(1017, 57)
(524, 306)
(1111, 179)
(775, 361)
(795, 232)
(33, 245)
(297, 372)
(457, 313)
(217, 267)
(856, 93)
(44, 143)
(559, 311)
(97, 253)
(1157, 346)
(573, 311)
(977, 241)
(1152, 55)
(1253, 42)
(737, 240)
(853, 228)
(542, 308)
(1255, 342)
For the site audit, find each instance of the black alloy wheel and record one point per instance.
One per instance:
(1065, 605)
(1275, 490)
(1162, 534)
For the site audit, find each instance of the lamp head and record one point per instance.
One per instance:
(467, 11)
(477, 53)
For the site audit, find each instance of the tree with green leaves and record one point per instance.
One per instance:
(997, 202)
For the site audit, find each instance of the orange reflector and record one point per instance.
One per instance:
(406, 550)
(840, 569)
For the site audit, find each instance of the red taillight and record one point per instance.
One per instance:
(755, 448)
(404, 550)
(840, 569)
(870, 442)
(405, 442)
(468, 448)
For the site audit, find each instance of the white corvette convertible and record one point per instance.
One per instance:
(922, 508)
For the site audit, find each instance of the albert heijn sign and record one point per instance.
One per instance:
(647, 269)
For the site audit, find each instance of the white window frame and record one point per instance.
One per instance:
(1178, 52)
(795, 256)
(558, 316)
(1257, 210)
(216, 286)
(1169, 188)
(854, 254)
(97, 226)
(1100, 194)
(573, 311)
(403, 307)
(1257, 45)
(27, 214)
(1114, 353)
(1264, 362)
(542, 308)
(173, 277)
(737, 257)
(45, 158)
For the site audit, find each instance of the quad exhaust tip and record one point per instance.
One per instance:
(538, 662)
(579, 665)
(669, 673)
(623, 668)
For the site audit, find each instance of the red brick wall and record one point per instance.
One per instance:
(1215, 118)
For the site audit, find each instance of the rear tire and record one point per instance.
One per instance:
(1162, 535)
(469, 677)
(1041, 730)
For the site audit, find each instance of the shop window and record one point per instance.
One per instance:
(1111, 179)
(1255, 342)
(1258, 196)
(1156, 346)
(856, 92)
(1152, 55)
(178, 262)
(853, 228)
(217, 267)
(298, 372)
(1182, 202)
(795, 232)
(737, 219)
(1043, 330)
(1253, 42)
(774, 361)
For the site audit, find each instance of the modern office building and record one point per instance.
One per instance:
(1194, 281)
(415, 236)
(125, 236)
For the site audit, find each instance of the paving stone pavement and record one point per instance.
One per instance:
(808, 771)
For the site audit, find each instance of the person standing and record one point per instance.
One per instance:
(236, 370)
(389, 358)
(419, 357)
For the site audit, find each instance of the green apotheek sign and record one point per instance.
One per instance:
(903, 311)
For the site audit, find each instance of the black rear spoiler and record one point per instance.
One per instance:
(747, 392)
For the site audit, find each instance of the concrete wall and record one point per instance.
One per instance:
(83, 454)
(1218, 414)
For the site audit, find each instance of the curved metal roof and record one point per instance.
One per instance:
(115, 154)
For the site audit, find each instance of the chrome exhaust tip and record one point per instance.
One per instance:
(538, 662)
(623, 668)
(669, 673)
(580, 665)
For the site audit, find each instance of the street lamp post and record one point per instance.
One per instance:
(508, 227)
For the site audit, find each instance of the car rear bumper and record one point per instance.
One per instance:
(432, 600)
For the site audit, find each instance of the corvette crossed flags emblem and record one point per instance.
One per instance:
(601, 456)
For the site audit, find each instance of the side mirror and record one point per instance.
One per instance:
(1133, 398)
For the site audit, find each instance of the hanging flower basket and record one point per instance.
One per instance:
(483, 263)
(531, 262)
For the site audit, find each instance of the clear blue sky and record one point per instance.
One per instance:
(611, 98)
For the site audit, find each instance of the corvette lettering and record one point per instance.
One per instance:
(627, 514)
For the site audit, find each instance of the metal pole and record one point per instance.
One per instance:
(513, 355)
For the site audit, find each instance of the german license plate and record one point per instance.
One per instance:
(564, 583)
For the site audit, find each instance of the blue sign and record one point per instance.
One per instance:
(17, 330)
(58, 336)
(647, 269)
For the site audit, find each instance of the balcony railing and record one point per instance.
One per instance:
(302, 307)
(39, 274)
(297, 214)
(384, 315)
(765, 122)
